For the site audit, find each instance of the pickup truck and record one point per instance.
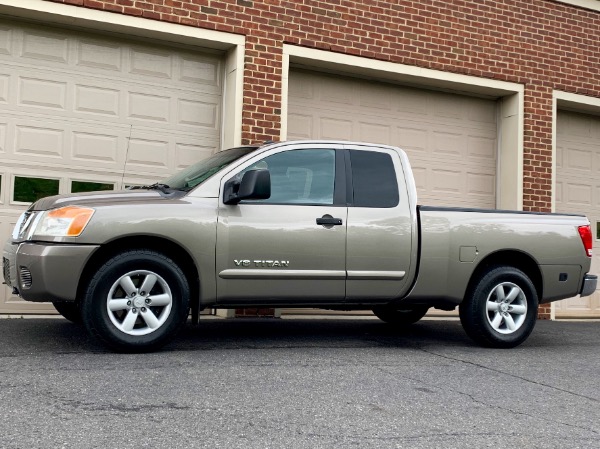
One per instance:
(317, 224)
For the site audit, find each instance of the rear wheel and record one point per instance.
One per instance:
(136, 301)
(69, 310)
(400, 317)
(501, 310)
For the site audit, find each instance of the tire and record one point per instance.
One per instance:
(69, 310)
(136, 301)
(400, 317)
(501, 309)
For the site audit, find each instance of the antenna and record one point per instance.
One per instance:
(126, 156)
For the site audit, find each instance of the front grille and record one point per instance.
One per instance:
(25, 277)
(6, 270)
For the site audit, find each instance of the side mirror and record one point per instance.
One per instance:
(255, 185)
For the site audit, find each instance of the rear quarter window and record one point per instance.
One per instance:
(374, 180)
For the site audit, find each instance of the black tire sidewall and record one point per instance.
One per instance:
(473, 311)
(95, 314)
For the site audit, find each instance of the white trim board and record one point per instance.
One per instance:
(594, 5)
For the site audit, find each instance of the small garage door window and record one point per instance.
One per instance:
(29, 189)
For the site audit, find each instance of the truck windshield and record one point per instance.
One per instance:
(196, 174)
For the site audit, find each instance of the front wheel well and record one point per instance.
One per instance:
(164, 246)
(510, 258)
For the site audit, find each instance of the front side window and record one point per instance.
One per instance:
(299, 176)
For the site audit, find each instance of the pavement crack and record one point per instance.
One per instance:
(534, 382)
(485, 404)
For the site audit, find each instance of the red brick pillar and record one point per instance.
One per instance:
(537, 156)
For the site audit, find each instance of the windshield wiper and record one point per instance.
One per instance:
(156, 186)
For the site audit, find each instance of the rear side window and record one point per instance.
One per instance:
(373, 179)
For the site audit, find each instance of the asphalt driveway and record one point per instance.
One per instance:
(300, 383)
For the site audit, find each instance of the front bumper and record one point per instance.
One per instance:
(590, 282)
(42, 272)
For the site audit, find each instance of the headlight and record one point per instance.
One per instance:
(69, 221)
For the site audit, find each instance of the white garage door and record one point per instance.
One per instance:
(82, 111)
(450, 139)
(578, 191)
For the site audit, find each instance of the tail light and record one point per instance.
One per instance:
(585, 232)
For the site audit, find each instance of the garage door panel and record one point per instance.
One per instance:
(42, 141)
(198, 113)
(148, 153)
(444, 182)
(411, 105)
(47, 46)
(96, 146)
(413, 140)
(97, 54)
(336, 128)
(447, 106)
(200, 70)
(300, 126)
(579, 195)
(371, 132)
(578, 191)
(377, 98)
(97, 100)
(42, 93)
(150, 62)
(146, 107)
(448, 144)
(482, 148)
(579, 159)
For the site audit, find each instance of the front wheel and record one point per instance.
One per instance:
(136, 301)
(501, 310)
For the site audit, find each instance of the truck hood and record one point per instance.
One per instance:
(103, 198)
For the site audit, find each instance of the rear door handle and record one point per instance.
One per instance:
(328, 220)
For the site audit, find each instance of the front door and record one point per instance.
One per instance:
(275, 251)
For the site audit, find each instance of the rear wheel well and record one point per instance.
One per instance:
(164, 246)
(510, 258)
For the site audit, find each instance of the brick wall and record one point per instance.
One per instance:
(542, 44)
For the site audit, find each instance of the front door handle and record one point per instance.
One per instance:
(328, 220)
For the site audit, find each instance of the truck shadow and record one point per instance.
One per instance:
(309, 332)
(60, 336)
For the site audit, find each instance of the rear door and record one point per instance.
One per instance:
(381, 228)
(276, 250)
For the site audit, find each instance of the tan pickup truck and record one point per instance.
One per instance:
(296, 224)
